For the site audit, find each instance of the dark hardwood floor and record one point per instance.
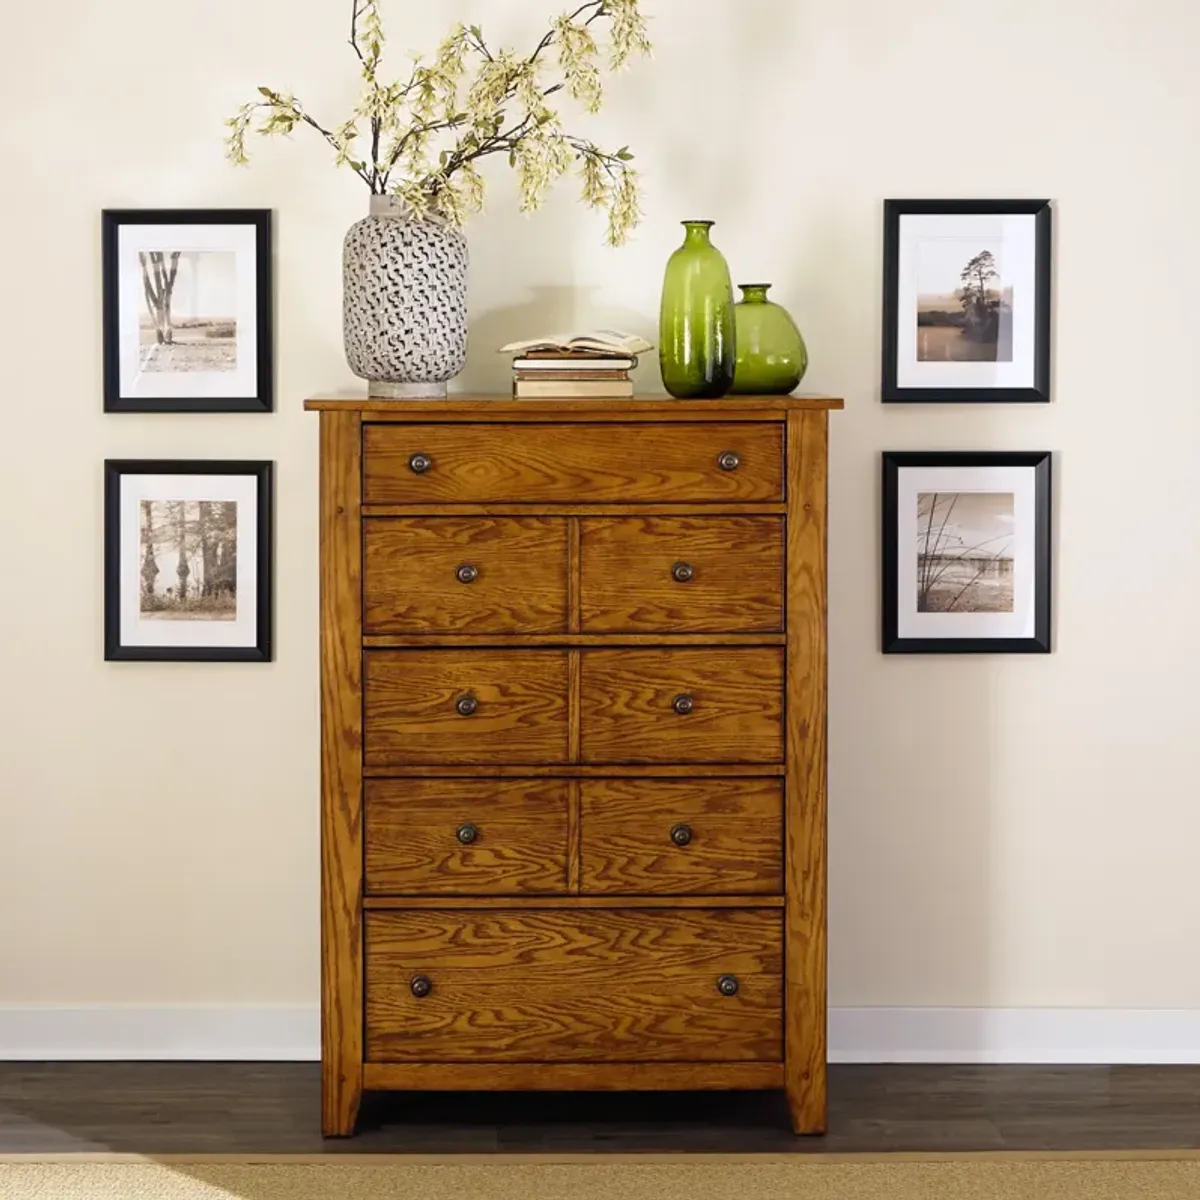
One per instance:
(272, 1108)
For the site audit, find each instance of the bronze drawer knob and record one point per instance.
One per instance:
(467, 833)
(421, 986)
(467, 706)
(419, 463)
(683, 704)
(682, 572)
(728, 461)
(727, 985)
(466, 573)
(681, 834)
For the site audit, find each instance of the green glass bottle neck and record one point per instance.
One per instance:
(696, 233)
(754, 293)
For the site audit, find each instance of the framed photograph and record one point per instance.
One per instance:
(187, 560)
(966, 301)
(966, 553)
(187, 310)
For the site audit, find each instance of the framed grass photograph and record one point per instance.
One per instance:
(966, 552)
(966, 301)
(187, 560)
(187, 310)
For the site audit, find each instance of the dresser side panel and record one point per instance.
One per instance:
(341, 772)
(805, 794)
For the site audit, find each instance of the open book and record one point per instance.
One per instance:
(596, 341)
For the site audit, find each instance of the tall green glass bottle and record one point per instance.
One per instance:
(771, 354)
(696, 332)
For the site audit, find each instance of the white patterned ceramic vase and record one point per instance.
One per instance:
(404, 303)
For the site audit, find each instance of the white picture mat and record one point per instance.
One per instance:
(243, 630)
(1022, 483)
(135, 383)
(1018, 270)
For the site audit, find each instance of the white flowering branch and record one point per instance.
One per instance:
(425, 136)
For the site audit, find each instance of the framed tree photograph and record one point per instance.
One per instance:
(966, 553)
(187, 310)
(187, 560)
(966, 301)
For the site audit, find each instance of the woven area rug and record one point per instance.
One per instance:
(894, 1177)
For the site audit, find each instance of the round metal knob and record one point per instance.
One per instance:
(683, 704)
(467, 706)
(728, 461)
(466, 833)
(421, 986)
(681, 835)
(727, 985)
(466, 573)
(420, 463)
(682, 572)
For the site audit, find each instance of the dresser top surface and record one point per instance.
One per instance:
(738, 408)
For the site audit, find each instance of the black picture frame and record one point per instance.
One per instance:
(115, 469)
(1039, 393)
(111, 222)
(893, 462)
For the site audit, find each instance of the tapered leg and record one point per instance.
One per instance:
(806, 1100)
(340, 1100)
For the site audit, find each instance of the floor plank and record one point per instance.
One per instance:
(274, 1108)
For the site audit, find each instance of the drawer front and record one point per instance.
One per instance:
(465, 837)
(681, 574)
(464, 575)
(702, 836)
(683, 706)
(464, 706)
(582, 985)
(578, 463)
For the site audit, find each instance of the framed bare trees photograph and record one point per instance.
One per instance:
(187, 310)
(966, 552)
(966, 300)
(187, 560)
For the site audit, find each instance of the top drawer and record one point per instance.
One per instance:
(577, 463)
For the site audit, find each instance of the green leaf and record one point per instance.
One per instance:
(624, 155)
(266, 91)
(477, 32)
(512, 158)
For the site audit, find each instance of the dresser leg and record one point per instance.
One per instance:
(340, 1099)
(806, 1102)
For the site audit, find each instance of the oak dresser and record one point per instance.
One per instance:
(573, 747)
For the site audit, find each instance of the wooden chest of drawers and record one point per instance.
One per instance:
(573, 747)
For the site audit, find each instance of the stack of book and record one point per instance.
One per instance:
(593, 366)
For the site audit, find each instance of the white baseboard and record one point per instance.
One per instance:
(233, 1032)
(1014, 1035)
(291, 1033)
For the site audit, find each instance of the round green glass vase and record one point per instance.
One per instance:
(696, 332)
(771, 354)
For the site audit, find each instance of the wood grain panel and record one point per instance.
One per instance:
(341, 774)
(735, 826)
(411, 714)
(573, 771)
(411, 582)
(627, 705)
(571, 1077)
(805, 811)
(590, 901)
(484, 640)
(577, 509)
(480, 464)
(412, 843)
(735, 567)
(602, 985)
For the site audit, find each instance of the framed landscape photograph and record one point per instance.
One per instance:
(187, 560)
(966, 301)
(187, 310)
(966, 553)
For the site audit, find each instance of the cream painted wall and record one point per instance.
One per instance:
(1005, 832)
